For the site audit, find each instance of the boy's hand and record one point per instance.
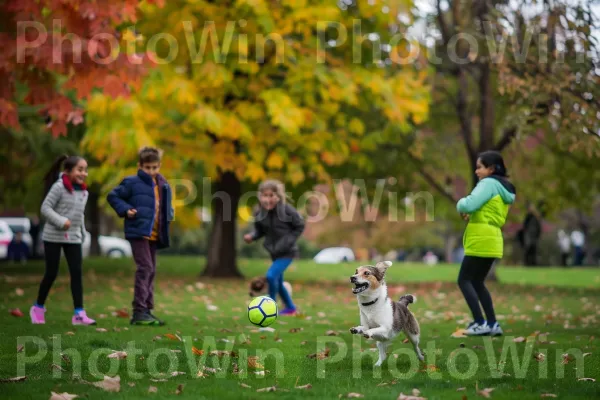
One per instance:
(67, 225)
(131, 213)
(248, 238)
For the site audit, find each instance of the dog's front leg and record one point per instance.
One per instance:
(358, 330)
(380, 333)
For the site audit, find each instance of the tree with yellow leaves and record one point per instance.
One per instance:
(255, 89)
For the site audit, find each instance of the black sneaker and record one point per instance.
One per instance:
(144, 318)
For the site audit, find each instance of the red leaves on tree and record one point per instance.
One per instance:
(76, 39)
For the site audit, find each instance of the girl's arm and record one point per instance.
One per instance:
(297, 225)
(482, 193)
(118, 197)
(258, 229)
(52, 198)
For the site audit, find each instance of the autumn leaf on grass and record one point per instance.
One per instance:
(267, 389)
(122, 314)
(119, 355)
(19, 291)
(152, 389)
(254, 364)
(484, 392)
(179, 389)
(460, 389)
(16, 313)
(539, 357)
(548, 395)
(172, 337)
(587, 379)
(405, 397)
(57, 367)
(62, 396)
(222, 353)
(430, 368)
(566, 358)
(197, 351)
(354, 395)
(321, 355)
(459, 333)
(110, 384)
(20, 348)
(245, 386)
(70, 333)
(177, 373)
(331, 333)
(519, 339)
(101, 330)
(307, 386)
(296, 330)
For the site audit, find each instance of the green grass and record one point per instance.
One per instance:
(565, 304)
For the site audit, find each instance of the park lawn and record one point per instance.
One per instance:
(554, 318)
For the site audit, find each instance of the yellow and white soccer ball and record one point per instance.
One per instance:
(262, 311)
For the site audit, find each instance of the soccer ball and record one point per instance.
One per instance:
(262, 311)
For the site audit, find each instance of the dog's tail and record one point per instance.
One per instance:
(408, 299)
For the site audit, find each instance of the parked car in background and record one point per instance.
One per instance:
(334, 255)
(20, 224)
(110, 246)
(6, 236)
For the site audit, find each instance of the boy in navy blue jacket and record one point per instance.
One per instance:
(144, 200)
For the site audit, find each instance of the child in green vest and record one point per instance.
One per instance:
(486, 209)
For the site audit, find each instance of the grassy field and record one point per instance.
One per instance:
(549, 311)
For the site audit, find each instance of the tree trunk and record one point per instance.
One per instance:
(93, 212)
(221, 260)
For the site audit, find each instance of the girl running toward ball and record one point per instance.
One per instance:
(64, 231)
(281, 225)
(486, 209)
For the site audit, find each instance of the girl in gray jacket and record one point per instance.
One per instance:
(63, 209)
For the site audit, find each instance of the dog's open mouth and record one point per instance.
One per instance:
(360, 287)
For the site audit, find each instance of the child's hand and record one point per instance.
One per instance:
(465, 216)
(248, 238)
(67, 225)
(131, 213)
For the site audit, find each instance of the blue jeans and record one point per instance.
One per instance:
(275, 279)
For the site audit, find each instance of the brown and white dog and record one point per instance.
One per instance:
(260, 287)
(381, 318)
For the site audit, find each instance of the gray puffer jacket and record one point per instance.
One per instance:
(62, 204)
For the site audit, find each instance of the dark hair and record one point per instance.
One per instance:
(494, 159)
(62, 163)
(149, 155)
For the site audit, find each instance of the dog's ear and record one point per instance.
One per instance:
(383, 266)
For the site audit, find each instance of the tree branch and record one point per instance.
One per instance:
(507, 137)
(430, 179)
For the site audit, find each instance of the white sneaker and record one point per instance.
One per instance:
(496, 330)
(475, 329)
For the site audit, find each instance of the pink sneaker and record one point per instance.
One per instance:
(82, 319)
(37, 315)
(288, 311)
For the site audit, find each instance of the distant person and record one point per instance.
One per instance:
(18, 251)
(486, 209)
(532, 231)
(64, 231)
(564, 244)
(34, 231)
(430, 258)
(578, 241)
(281, 225)
(144, 200)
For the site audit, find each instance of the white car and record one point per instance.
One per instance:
(334, 255)
(20, 224)
(6, 236)
(110, 246)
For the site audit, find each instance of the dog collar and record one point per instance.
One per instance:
(369, 303)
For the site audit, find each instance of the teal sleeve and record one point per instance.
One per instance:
(482, 193)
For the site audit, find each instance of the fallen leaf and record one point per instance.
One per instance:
(320, 356)
(587, 379)
(177, 373)
(260, 373)
(197, 351)
(416, 392)
(175, 351)
(179, 389)
(303, 342)
(20, 348)
(586, 354)
(548, 395)
(405, 340)
(331, 333)
(110, 384)
(461, 389)
(267, 389)
(539, 357)
(15, 379)
(211, 370)
(519, 339)
(464, 397)
(172, 337)
(101, 330)
(19, 291)
(56, 366)
(414, 397)
(131, 384)
(211, 307)
(200, 374)
(566, 358)
(354, 395)
(459, 333)
(307, 386)
(485, 392)
(62, 396)
(152, 389)
(70, 333)
(16, 312)
(296, 330)
(267, 329)
(254, 364)
(119, 355)
(245, 386)
(122, 314)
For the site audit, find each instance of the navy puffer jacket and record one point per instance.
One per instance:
(137, 192)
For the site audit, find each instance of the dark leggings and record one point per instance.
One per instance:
(471, 277)
(74, 257)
